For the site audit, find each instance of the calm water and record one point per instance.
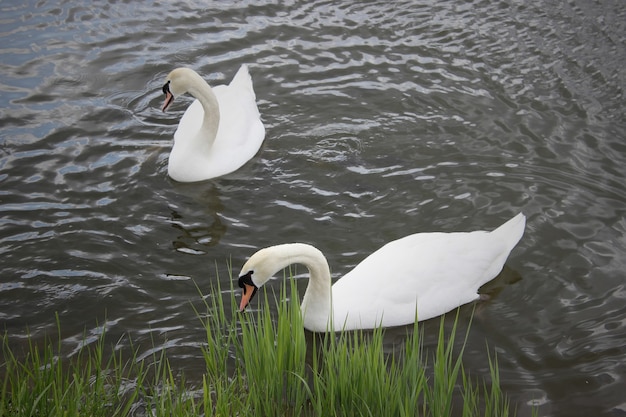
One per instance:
(383, 118)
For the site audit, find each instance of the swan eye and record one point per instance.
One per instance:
(246, 279)
(166, 88)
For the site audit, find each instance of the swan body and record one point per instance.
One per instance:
(423, 275)
(219, 132)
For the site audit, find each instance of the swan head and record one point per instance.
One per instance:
(177, 83)
(249, 289)
(258, 270)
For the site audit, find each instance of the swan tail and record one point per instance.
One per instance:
(504, 240)
(243, 79)
(512, 231)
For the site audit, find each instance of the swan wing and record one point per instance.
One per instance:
(241, 132)
(431, 272)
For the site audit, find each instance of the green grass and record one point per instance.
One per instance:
(42, 384)
(256, 364)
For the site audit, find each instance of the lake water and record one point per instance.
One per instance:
(382, 118)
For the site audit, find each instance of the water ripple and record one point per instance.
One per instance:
(382, 118)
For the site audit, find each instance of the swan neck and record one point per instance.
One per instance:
(201, 90)
(316, 303)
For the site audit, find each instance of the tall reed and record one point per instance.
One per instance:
(256, 364)
(281, 369)
(43, 384)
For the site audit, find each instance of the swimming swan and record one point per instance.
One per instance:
(219, 132)
(433, 272)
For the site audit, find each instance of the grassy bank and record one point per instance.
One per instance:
(255, 365)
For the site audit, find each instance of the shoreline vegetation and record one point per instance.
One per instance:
(255, 365)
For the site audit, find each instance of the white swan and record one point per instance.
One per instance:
(220, 131)
(433, 272)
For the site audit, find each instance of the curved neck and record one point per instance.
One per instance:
(316, 304)
(200, 89)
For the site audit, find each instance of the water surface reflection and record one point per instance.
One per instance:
(382, 119)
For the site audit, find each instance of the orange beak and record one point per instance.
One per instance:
(248, 292)
(168, 99)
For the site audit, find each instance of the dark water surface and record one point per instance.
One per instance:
(383, 118)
